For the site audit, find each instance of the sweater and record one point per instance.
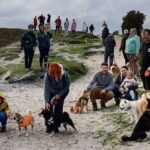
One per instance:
(51, 86)
(104, 81)
(132, 45)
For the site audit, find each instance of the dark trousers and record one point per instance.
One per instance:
(117, 94)
(3, 118)
(57, 29)
(108, 57)
(125, 57)
(28, 54)
(43, 56)
(146, 81)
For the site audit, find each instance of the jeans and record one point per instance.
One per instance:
(109, 57)
(3, 118)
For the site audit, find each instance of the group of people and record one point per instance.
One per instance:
(29, 41)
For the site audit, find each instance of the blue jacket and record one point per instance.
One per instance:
(132, 45)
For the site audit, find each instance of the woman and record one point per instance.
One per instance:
(73, 27)
(3, 108)
(57, 82)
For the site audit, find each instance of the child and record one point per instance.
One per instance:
(125, 86)
(3, 108)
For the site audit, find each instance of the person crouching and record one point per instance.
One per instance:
(101, 87)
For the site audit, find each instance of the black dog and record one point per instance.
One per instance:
(142, 126)
(54, 121)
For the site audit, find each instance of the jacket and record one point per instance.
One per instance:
(105, 33)
(123, 43)
(110, 43)
(132, 45)
(28, 40)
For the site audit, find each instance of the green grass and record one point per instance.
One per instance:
(2, 70)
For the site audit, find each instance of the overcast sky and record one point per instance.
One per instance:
(19, 13)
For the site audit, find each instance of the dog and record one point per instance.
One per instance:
(135, 109)
(142, 126)
(81, 103)
(115, 70)
(24, 121)
(51, 122)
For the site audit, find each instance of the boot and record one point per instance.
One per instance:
(103, 105)
(56, 130)
(95, 107)
(3, 128)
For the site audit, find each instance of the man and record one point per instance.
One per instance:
(101, 87)
(110, 43)
(132, 50)
(123, 45)
(105, 32)
(41, 20)
(145, 58)
(28, 43)
(58, 25)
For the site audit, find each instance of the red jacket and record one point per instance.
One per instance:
(58, 22)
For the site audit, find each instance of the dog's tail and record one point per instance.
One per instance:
(74, 110)
(70, 122)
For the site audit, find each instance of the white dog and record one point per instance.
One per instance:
(135, 109)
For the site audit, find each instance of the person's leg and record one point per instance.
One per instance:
(26, 58)
(46, 57)
(41, 58)
(111, 57)
(3, 120)
(125, 57)
(117, 95)
(31, 54)
(106, 57)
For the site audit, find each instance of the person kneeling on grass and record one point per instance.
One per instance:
(103, 81)
(3, 108)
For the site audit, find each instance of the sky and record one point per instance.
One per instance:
(20, 13)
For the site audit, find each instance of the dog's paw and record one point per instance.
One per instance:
(27, 134)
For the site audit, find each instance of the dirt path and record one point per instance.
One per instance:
(30, 97)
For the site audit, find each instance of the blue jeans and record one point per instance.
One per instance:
(3, 118)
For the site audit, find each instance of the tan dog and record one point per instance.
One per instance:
(81, 103)
(24, 121)
(115, 70)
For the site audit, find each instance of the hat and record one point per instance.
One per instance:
(2, 95)
(30, 26)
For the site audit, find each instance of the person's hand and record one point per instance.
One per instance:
(103, 91)
(47, 105)
(57, 96)
(54, 100)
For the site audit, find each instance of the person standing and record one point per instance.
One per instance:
(145, 58)
(58, 25)
(105, 32)
(28, 43)
(123, 44)
(73, 27)
(41, 20)
(49, 20)
(91, 29)
(43, 38)
(66, 26)
(110, 43)
(84, 27)
(101, 87)
(132, 50)
(35, 23)
(56, 88)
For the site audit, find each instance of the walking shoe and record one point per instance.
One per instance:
(95, 107)
(103, 105)
(3, 129)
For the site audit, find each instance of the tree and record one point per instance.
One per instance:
(133, 19)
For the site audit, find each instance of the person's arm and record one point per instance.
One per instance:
(94, 80)
(4, 106)
(110, 85)
(66, 82)
(47, 87)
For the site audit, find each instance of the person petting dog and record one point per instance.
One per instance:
(128, 82)
(57, 82)
(3, 108)
(103, 81)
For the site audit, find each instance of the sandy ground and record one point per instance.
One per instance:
(22, 97)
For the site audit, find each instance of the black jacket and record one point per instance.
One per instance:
(105, 33)
(123, 43)
(109, 45)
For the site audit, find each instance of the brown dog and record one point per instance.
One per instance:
(81, 103)
(24, 121)
(115, 70)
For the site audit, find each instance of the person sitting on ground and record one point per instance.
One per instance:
(101, 87)
(3, 108)
(128, 82)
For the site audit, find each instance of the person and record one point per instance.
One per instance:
(123, 44)
(56, 88)
(73, 27)
(105, 32)
(101, 87)
(145, 58)
(28, 43)
(132, 50)
(35, 23)
(66, 26)
(49, 20)
(41, 20)
(128, 82)
(58, 25)
(110, 43)
(91, 28)
(84, 27)
(3, 108)
(43, 38)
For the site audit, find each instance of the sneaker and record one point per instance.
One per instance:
(3, 129)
